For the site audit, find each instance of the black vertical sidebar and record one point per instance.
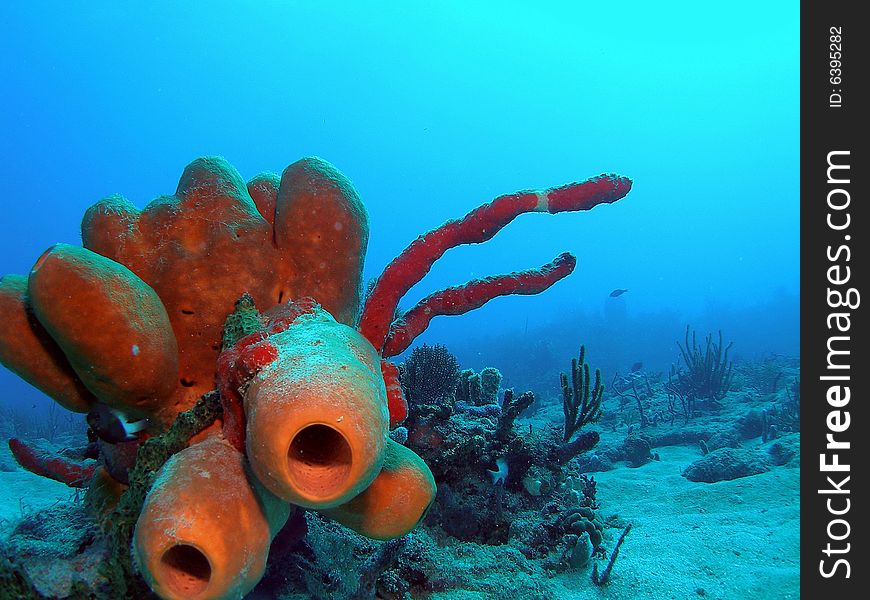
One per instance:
(835, 361)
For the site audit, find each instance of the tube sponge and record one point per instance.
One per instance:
(206, 526)
(395, 502)
(317, 417)
(320, 217)
(29, 351)
(201, 248)
(111, 326)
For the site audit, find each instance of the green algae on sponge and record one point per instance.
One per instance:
(121, 522)
(243, 321)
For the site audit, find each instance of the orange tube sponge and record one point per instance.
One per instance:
(320, 216)
(206, 526)
(201, 248)
(317, 417)
(395, 502)
(263, 189)
(28, 350)
(111, 326)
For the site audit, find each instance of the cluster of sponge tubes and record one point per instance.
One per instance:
(133, 321)
(315, 436)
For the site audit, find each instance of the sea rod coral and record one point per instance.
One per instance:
(134, 321)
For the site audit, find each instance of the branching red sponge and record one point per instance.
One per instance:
(53, 466)
(478, 226)
(474, 294)
(396, 402)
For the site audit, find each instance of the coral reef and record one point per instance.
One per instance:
(511, 408)
(494, 528)
(490, 380)
(56, 551)
(136, 320)
(429, 376)
(471, 427)
(469, 388)
(706, 377)
(502, 482)
(583, 520)
(648, 410)
(581, 406)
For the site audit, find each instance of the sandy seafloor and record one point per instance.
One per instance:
(22, 492)
(729, 540)
(732, 540)
(735, 539)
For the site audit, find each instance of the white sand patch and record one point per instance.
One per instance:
(733, 539)
(22, 492)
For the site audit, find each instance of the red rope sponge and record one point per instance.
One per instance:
(478, 226)
(54, 466)
(396, 402)
(474, 294)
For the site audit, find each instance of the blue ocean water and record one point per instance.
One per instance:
(432, 109)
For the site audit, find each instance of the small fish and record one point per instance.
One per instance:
(111, 425)
(500, 474)
(636, 367)
(617, 292)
